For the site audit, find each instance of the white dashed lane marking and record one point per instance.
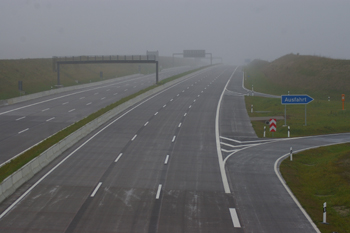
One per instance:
(50, 119)
(23, 131)
(96, 189)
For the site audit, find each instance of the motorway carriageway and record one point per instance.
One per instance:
(154, 168)
(25, 124)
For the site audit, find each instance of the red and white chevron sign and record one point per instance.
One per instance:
(273, 125)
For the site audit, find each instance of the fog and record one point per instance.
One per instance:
(233, 30)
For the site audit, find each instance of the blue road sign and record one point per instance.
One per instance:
(296, 99)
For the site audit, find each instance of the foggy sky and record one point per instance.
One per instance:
(234, 30)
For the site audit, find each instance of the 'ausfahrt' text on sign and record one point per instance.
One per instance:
(296, 99)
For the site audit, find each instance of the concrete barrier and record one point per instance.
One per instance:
(60, 90)
(11, 183)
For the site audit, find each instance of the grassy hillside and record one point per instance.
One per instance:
(37, 74)
(318, 77)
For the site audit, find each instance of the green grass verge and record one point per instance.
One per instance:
(15, 164)
(322, 175)
(322, 117)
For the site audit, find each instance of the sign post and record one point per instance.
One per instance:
(295, 99)
(343, 99)
(324, 213)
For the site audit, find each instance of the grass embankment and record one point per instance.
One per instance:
(37, 74)
(24, 158)
(315, 76)
(322, 175)
(318, 77)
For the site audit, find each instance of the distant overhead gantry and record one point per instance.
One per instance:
(57, 61)
(199, 53)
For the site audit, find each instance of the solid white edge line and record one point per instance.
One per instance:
(50, 119)
(243, 83)
(166, 159)
(173, 139)
(120, 155)
(218, 146)
(88, 140)
(234, 218)
(96, 189)
(23, 131)
(158, 191)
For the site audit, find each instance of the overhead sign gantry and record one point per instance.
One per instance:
(199, 53)
(57, 61)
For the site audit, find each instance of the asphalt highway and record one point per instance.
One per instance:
(136, 174)
(24, 124)
(184, 160)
